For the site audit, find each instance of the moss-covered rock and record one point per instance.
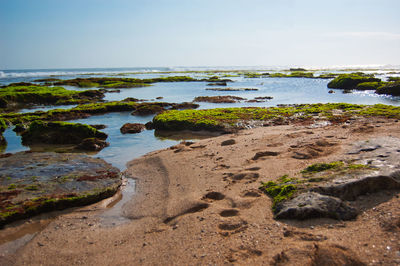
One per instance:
(35, 94)
(369, 85)
(391, 88)
(31, 183)
(350, 81)
(59, 133)
(231, 119)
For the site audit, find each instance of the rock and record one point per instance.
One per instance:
(351, 189)
(350, 81)
(132, 128)
(159, 98)
(331, 91)
(92, 144)
(59, 133)
(149, 125)
(31, 183)
(99, 126)
(20, 128)
(228, 142)
(313, 205)
(218, 99)
(392, 88)
(3, 103)
(221, 83)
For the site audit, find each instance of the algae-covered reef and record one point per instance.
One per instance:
(231, 119)
(85, 110)
(20, 94)
(59, 133)
(108, 82)
(31, 183)
(361, 81)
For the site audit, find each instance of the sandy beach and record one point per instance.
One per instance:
(199, 204)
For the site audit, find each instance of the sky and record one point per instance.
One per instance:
(45, 34)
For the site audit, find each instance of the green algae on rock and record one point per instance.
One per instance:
(35, 94)
(59, 133)
(390, 88)
(350, 81)
(232, 119)
(85, 110)
(32, 183)
(107, 82)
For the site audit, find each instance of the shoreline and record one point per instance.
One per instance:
(188, 209)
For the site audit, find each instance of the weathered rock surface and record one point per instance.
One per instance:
(92, 144)
(313, 205)
(132, 128)
(31, 183)
(375, 167)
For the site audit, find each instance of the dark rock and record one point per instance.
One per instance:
(3, 103)
(222, 83)
(331, 91)
(20, 128)
(159, 98)
(149, 125)
(184, 105)
(219, 99)
(392, 88)
(313, 205)
(99, 126)
(228, 142)
(92, 144)
(59, 133)
(132, 128)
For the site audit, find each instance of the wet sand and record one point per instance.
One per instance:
(199, 203)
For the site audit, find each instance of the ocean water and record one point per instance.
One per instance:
(123, 148)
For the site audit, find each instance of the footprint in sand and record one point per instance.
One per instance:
(229, 213)
(232, 226)
(213, 195)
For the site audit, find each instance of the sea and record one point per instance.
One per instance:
(124, 148)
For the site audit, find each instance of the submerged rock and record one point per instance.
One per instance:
(132, 128)
(92, 144)
(31, 183)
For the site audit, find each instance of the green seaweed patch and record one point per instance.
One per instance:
(319, 167)
(221, 119)
(281, 190)
(3, 125)
(350, 81)
(114, 82)
(369, 85)
(36, 94)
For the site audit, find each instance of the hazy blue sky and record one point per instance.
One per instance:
(122, 33)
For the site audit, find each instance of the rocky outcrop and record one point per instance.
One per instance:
(132, 128)
(92, 144)
(392, 88)
(31, 183)
(59, 133)
(313, 205)
(327, 190)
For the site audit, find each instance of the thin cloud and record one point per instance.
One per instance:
(366, 34)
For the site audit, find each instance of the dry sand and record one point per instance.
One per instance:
(199, 204)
